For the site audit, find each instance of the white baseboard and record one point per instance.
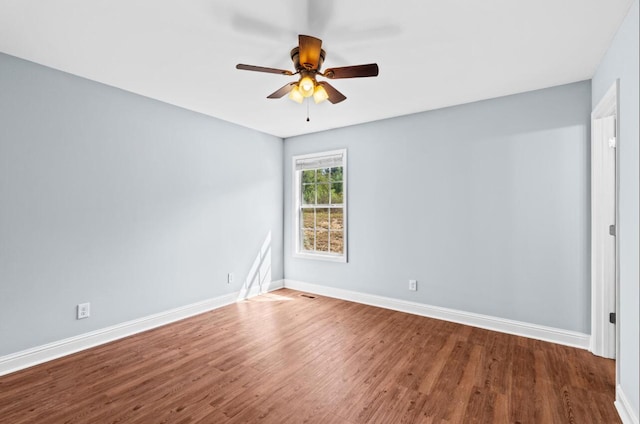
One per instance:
(624, 408)
(532, 331)
(39, 354)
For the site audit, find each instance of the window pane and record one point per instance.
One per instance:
(322, 241)
(336, 194)
(309, 176)
(323, 194)
(323, 175)
(336, 174)
(322, 218)
(308, 194)
(337, 241)
(321, 206)
(308, 239)
(308, 220)
(337, 219)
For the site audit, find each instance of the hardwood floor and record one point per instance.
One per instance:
(286, 358)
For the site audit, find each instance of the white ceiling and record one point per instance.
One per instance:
(431, 53)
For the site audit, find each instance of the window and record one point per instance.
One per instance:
(320, 184)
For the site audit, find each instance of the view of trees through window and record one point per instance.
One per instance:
(322, 210)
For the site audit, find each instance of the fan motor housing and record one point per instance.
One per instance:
(295, 57)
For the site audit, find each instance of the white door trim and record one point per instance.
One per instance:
(603, 298)
(603, 241)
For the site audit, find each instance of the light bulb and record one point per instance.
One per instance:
(320, 94)
(296, 95)
(306, 86)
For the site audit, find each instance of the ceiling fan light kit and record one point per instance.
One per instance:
(306, 86)
(307, 59)
(296, 95)
(320, 94)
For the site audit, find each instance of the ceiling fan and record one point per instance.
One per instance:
(307, 59)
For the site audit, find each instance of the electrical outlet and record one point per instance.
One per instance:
(413, 285)
(84, 310)
(230, 278)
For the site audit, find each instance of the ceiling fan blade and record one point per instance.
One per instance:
(310, 48)
(358, 71)
(263, 69)
(282, 91)
(334, 95)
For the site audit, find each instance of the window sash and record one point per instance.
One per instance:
(318, 162)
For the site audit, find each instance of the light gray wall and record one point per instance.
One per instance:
(485, 204)
(621, 61)
(128, 203)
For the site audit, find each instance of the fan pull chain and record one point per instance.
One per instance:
(308, 110)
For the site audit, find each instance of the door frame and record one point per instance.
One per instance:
(607, 106)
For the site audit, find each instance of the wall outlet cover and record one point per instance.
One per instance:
(413, 285)
(84, 310)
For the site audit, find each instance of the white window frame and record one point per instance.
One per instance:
(297, 203)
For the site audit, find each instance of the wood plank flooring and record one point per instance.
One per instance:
(285, 358)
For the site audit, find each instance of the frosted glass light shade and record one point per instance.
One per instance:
(306, 86)
(296, 95)
(320, 94)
